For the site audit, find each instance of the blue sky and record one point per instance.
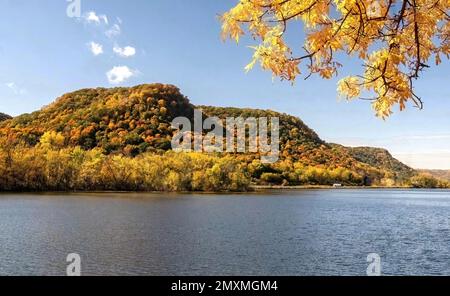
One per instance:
(44, 54)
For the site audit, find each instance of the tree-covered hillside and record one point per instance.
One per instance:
(300, 145)
(130, 120)
(381, 158)
(119, 139)
(4, 116)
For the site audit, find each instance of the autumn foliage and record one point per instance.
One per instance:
(43, 168)
(119, 139)
(128, 120)
(4, 117)
(395, 41)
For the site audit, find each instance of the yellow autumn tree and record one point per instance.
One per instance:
(394, 39)
(52, 140)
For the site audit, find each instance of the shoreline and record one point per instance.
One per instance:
(280, 187)
(252, 189)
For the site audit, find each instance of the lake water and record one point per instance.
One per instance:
(304, 232)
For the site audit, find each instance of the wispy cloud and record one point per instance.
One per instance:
(125, 52)
(399, 140)
(120, 74)
(418, 151)
(430, 160)
(425, 137)
(92, 17)
(15, 88)
(114, 31)
(95, 48)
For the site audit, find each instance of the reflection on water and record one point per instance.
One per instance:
(308, 232)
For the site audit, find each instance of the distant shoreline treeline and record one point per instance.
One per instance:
(41, 168)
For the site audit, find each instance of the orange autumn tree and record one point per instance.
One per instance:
(394, 39)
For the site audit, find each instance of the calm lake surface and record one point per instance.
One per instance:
(305, 232)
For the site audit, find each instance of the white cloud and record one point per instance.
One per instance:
(92, 17)
(115, 30)
(120, 74)
(96, 49)
(125, 52)
(16, 89)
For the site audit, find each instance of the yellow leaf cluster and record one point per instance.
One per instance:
(394, 39)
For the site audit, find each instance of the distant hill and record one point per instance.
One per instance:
(136, 120)
(381, 158)
(4, 116)
(440, 174)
